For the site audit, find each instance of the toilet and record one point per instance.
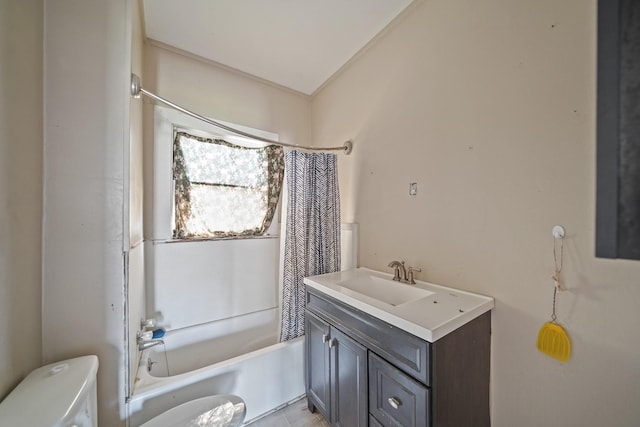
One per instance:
(61, 394)
(223, 410)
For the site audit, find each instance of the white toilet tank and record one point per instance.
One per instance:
(61, 394)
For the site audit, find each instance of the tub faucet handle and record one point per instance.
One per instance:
(143, 336)
(147, 323)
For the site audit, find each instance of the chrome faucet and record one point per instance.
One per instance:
(407, 273)
(397, 267)
(143, 345)
(145, 342)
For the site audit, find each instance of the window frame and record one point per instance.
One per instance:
(272, 172)
(167, 122)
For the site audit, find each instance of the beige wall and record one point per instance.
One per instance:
(87, 61)
(135, 276)
(136, 186)
(490, 107)
(20, 189)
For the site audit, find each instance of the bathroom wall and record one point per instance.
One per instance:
(20, 189)
(87, 63)
(490, 108)
(135, 280)
(189, 283)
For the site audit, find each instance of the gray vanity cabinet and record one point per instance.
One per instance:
(362, 371)
(318, 370)
(336, 374)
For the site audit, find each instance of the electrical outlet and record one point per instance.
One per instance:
(413, 188)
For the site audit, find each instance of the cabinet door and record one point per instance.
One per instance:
(318, 380)
(349, 401)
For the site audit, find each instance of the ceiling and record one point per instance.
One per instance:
(298, 44)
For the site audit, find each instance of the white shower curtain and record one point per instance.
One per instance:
(312, 242)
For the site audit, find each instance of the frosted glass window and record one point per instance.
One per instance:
(222, 189)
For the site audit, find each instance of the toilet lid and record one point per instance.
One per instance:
(211, 411)
(50, 395)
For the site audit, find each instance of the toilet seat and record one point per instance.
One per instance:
(222, 410)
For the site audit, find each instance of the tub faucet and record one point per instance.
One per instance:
(145, 340)
(397, 267)
(143, 345)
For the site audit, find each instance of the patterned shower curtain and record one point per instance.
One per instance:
(312, 242)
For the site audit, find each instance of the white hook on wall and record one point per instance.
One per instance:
(558, 234)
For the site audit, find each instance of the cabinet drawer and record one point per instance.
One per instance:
(406, 351)
(395, 399)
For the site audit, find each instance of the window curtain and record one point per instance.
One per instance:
(222, 189)
(312, 242)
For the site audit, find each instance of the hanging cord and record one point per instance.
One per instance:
(558, 265)
(166, 360)
(556, 275)
(553, 313)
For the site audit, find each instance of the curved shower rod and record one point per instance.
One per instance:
(137, 89)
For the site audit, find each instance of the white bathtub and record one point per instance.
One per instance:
(238, 356)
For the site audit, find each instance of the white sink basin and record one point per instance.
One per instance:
(388, 291)
(426, 310)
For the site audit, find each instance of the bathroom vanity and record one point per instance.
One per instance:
(382, 353)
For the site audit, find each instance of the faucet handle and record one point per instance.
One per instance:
(144, 336)
(410, 272)
(147, 323)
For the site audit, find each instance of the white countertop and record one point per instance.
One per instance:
(430, 317)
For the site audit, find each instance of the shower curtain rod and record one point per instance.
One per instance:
(137, 89)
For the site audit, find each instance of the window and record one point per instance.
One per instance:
(222, 189)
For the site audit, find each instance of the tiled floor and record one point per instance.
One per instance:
(294, 415)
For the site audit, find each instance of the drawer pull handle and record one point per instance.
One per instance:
(325, 338)
(332, 342)
(395, 403)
